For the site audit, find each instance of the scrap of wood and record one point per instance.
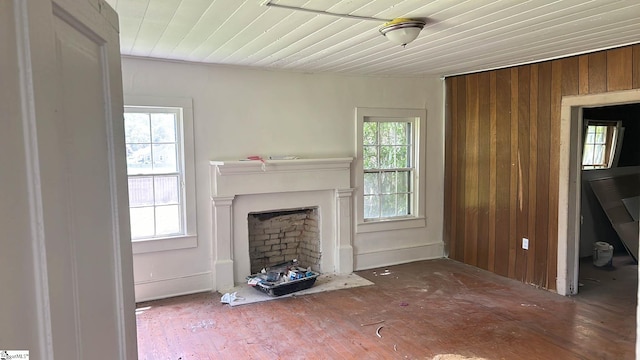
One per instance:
(373, 323)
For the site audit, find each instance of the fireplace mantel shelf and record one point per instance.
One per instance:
(249, 166)
(231, 178)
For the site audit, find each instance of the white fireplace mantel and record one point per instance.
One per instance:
(240, 187)
(272, 176)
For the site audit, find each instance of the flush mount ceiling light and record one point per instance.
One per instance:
(400, 30)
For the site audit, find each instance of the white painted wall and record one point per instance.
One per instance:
(242, 111)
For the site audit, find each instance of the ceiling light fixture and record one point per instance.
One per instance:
(400, 30)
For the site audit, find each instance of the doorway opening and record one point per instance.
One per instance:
(570, 180)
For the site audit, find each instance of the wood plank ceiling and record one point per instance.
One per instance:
(460, 36)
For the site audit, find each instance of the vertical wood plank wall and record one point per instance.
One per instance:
(501, 158)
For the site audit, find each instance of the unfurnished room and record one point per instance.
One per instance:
(336, 179)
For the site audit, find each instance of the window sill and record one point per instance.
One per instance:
(144, 246)
(387, 225)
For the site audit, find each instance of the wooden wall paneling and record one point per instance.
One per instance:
(449, 245)
(597, 72)
(493, 145)
(453, 243)
(513, 172)
(503, 170)
(571, 76)
(533, 173)
(557, 87)
(522, 209)
(510, 120)
(484, 167)
(471, 172)
(583, 74)
(461, 139)
(635, 67)
(619, 69)
(542, 179)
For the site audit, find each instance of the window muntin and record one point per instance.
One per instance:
(387, 149)
(155, 167)
(599, 144)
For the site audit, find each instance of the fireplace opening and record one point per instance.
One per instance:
(285, 235)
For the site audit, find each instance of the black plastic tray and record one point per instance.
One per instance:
(288, 287)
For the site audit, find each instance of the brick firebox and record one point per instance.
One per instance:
(279, 236)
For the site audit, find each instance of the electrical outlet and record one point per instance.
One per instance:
(525, 243)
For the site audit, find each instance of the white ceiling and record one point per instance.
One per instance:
(460, 36)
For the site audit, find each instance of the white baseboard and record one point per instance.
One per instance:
(388, 257)
(182, 285)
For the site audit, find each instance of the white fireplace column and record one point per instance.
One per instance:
(344, 242)
(223, 241)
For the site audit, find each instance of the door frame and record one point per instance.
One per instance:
(570, 180)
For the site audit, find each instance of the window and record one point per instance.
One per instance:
(155, 171)
(389, 178)
(599, 144)
(160, 170)
(388, 169)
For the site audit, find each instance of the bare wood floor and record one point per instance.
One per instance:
(428, 307)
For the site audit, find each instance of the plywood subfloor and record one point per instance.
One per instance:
(426, 309)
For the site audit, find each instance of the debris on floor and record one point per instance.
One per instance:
(282, 279)
(373, 323)
(228, 298)
(378, 331)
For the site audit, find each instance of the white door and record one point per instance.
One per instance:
(66, 224)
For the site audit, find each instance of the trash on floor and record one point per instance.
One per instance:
(282, 279)
(373, 323)
(228, 298)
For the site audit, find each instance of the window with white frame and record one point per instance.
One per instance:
(388, 168)
(155, 166)
(389, 177)
(161, 172)
(599, 144)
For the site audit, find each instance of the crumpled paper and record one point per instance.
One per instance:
(228, 298)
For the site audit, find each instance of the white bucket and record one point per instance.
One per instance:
(602, 253)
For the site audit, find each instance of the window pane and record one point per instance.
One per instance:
(164, 158)
(140, 191)
(370, 157)
(598, 156)
(388, 205)
(403, 205)
(370, 133)
(403, 134)
(403, 181)
(590, 137)
(142, 224)
(386, 133)
(388, 182)
(163, 128)
(166, 190)
(136, 128)
(601, 132)
(387, 157)
(139, 159)
(402, 156)
(371, 207)
(167, 220)
(587, 156)
(371, 185)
